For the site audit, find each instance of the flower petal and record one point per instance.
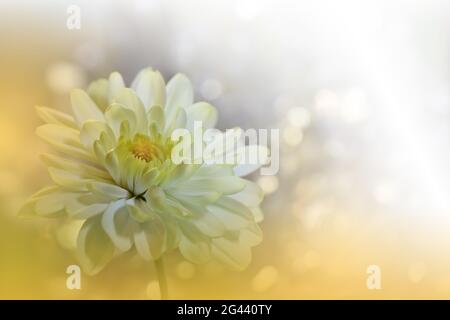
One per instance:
(56, 117)
(223, 185)
(251, 236)
(150, 88)
(28, 209)
(98, 91)
(65, 140)
(86, 212)
(127, 98)
(145, 181)
(67, 231)
(50, 204)
(118, 224)
(232, 253)
(209, 225)
(112, 165)
(150, 240)
(115, 84)
(54, 134)
(67, 179)
(193, 245)
(91, 131)
(251, 196)
(180, 94)
(94, 247)
(232, 213)
(178, 121)
(203, 112)
(251, 158)
(86, 169)
(257, 214)
(110, 190)
(83, 107)
(156, 116)
(116, 114)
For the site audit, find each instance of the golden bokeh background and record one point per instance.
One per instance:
(359, 91)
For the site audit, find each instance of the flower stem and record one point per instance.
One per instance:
(162, 279)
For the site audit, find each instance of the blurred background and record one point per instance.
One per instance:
(359, 91)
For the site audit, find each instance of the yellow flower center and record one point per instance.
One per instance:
(143, 148)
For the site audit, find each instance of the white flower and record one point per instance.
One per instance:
(113, 172)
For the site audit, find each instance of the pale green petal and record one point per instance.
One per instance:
(193, 245)
(56, 117)
(156, 116)
(150, 88)
(172, 231)
(86, 212)
(253, 157)
(214, 170)
(91, 131)
(201, 198)
(67, 233)
(103, 146)
(232, 253)
(223, 185)
(209, 224)
(140, 210)
(71, 180)
(250, 196)
(177, 121)
(128, 98)
(257, 214)
(98, 91)
(73, 204)
(180, 94)
(116, 114)
(251, 235)
(171, 207)
(145, 181)
(115, 84)
(46, 191)
(131, 169)
(87, 170)
(50, 204)
(118, 224)
(83, 107)
(59, 134)
(232, 213)
(179, 174)
(110, 190)
(28, 208)
(94, 247)
(112, 165)
(150, 239)
(201, 111)
(65, 140)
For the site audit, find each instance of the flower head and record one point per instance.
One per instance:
(113, 172)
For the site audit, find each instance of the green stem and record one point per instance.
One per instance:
(162, 279)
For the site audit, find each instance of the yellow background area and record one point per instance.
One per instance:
(360, 93)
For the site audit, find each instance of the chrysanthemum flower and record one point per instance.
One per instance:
(112, 171)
